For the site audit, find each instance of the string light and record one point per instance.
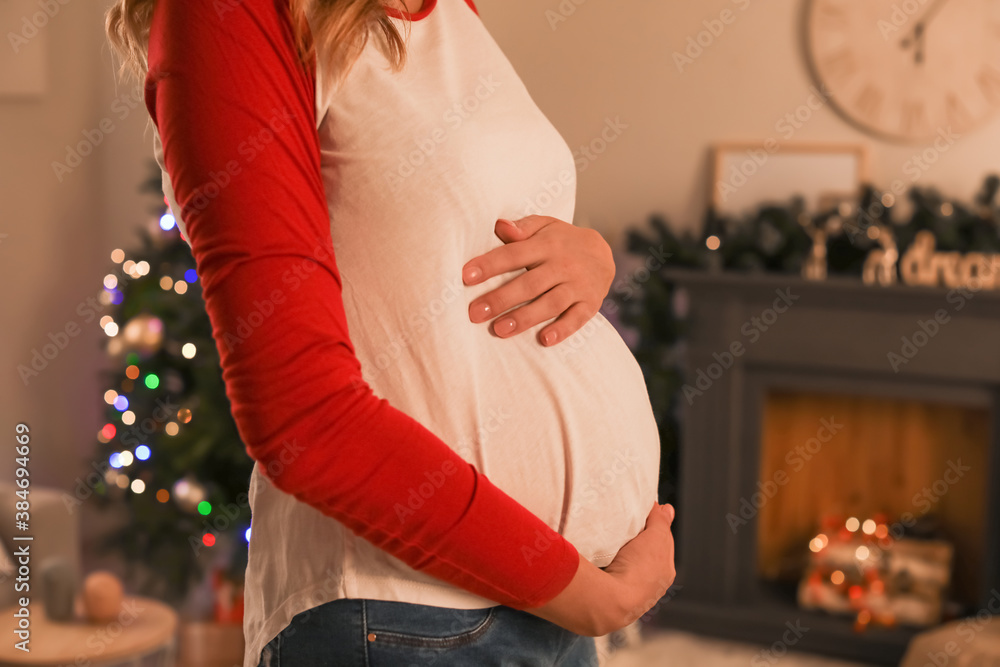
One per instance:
(247, 535)
(110, 396)
(713, 242)
(111, 329)
(126, 458)
(852, 524)
(138, 486)
(167, 222)
(152, 381)
(204, 508)
(837, 577)
(163, 495)
(110, 281)
(184, 415)
(189, 350)
(117, 255)
(128, 417)
(180, 287)
(132, 372)
(115, 460)
(120, 403)
(208, 540)
(171, 428)
(869, 527)
(142, 452)
(166, 283)
(191, 275)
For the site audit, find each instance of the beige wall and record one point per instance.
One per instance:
(611, 59)
(59, 236)
(607, 60)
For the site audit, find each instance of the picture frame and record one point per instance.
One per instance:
(748, 174)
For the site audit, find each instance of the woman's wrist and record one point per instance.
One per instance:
(594, 603)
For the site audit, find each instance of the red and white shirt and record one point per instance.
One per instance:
(403, 452)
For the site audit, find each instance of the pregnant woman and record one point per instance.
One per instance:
(455, 453)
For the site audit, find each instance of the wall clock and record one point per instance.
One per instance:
(907, 70)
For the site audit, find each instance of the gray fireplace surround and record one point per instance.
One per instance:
(749, 334)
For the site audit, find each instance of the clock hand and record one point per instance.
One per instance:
(918, 31)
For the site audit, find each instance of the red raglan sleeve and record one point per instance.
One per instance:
(235, 111)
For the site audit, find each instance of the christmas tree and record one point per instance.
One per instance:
(174, 456)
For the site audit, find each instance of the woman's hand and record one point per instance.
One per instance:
(570, 270)
(596, 603)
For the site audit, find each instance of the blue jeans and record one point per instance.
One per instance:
(380, 633)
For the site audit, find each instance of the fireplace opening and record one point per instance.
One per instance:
(872, 507)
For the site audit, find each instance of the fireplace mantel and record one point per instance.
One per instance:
(835, 336)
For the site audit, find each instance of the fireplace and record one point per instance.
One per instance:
(811, 399)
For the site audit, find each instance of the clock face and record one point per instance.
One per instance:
(908, 69)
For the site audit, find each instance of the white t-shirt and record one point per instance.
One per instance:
(418, 165)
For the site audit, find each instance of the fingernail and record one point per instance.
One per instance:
(479, 312)
(549, 338)
(504, 326)
(471, 273)
(506, 221)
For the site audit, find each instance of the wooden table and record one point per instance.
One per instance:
(143, 627)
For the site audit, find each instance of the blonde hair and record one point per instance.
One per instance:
(339, 29)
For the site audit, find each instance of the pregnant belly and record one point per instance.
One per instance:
(567, 430)
(576, 442)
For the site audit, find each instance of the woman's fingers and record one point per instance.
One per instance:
(510, 257)
(556, 301)
(526, 287)
(568, 323)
